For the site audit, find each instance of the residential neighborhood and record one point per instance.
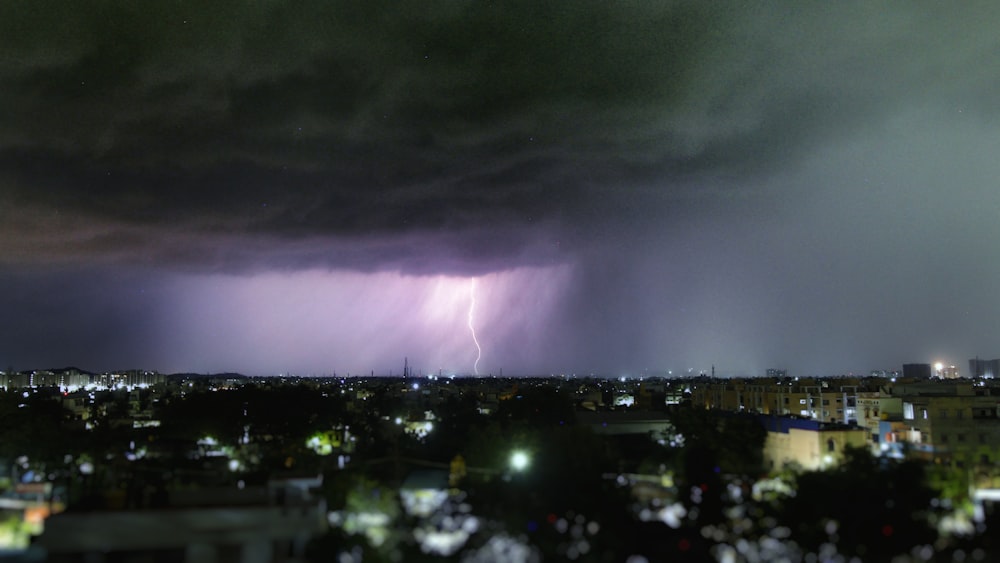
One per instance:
(140, 465)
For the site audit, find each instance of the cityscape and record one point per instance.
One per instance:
(142, 466)
(499, 281)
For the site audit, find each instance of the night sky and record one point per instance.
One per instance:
(327, 186)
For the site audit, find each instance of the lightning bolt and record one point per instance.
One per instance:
(472, 329)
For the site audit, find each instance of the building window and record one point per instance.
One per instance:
(982, 438)
(958, 414)
(944, 438)
(925, 414)
(830, 445)
(944, 413)
(960, 437)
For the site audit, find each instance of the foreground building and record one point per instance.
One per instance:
(809, 444)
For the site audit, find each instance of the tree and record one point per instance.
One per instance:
(870, 507)
(734, 441)
(36, 426)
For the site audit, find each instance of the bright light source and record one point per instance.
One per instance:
(938, 366)
(519, 461)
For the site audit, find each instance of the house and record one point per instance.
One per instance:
(808, 443)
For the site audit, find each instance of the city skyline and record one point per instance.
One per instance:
(574, 187)
(977, 369)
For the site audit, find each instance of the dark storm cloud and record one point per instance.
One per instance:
(325, 118)
(336, 121)
(722, 182)
(176, 125)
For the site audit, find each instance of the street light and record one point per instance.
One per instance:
(519, 460)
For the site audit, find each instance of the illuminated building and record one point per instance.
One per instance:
(878, 410)
(814, 399)
(984, 368)
(875, 408)
(943, 371)
(952, 423)
(808, 443)
(143, 378)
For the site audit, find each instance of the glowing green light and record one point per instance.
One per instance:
(519, 461)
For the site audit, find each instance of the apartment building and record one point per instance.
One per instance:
(961, 429)
(825, 401)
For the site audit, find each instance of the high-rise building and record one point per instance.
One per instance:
(917, 371)
(943, 371)
(984, 368)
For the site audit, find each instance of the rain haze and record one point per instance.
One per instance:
(592, 187)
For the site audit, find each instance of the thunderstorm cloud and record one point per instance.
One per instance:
(790, 184)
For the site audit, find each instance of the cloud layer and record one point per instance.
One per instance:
(732, 183)
(174, 133)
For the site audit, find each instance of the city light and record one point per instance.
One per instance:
(519, 460)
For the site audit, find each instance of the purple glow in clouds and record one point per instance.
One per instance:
(320, 322)
(472, 328)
